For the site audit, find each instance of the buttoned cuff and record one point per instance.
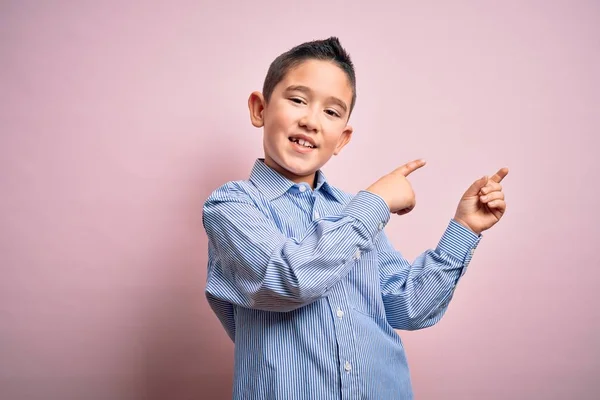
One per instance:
(459, 242)
(370, 209)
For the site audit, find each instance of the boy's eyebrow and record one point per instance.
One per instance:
(307, 90)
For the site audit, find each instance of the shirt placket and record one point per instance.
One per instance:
(316, 213)
(345, 339)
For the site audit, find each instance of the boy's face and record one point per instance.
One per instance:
(305, 121)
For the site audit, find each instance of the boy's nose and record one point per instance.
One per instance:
(310, 122)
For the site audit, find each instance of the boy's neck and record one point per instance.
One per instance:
(309, 179)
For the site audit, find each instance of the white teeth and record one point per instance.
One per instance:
(302, 142)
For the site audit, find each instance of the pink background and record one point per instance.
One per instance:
(117, 121)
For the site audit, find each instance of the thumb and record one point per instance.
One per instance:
(474, 189)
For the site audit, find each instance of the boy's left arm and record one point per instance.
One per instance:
(416, 296)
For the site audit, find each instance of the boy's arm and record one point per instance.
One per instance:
(417, 296)
(255, 266)
(223, 309)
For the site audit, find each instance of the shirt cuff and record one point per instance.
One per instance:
(459, 242)
(370, 209)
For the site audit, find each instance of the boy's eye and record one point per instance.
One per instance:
(333, 113)
(297, 100)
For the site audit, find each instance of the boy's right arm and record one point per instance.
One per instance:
(255, 266)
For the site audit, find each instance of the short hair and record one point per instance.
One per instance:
(327, 50)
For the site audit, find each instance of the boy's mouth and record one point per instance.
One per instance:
(305, 142)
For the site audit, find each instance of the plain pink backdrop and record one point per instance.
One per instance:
(117, 121)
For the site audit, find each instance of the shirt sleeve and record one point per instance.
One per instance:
(417, 296)
(253, 265)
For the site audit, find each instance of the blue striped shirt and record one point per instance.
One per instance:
(307, 285)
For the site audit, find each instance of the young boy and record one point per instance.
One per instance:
(301, 274)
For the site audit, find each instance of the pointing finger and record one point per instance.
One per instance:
(410, 167)
(501, 174)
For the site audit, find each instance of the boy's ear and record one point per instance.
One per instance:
(344, 139)
(256, 106)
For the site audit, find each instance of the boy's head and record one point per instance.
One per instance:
(307, 98)
(325, 50)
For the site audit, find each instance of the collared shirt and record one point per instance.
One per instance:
(309, 288)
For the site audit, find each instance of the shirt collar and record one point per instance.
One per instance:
(272, 184)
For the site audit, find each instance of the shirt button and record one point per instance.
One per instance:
(357, 255)
(381, 225)
(317, 215)
(472, 252)
(302, 188)
(339, 313)
(348, 366)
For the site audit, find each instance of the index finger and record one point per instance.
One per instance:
(410, 167)
(501, 174)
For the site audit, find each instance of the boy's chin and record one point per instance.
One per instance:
(301, 168)
(301, 171)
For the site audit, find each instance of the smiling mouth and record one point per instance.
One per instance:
(302, 142)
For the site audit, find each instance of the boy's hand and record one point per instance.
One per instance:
(396, 190)
(482, 205)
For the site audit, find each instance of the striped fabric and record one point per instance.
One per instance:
(310, 289)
